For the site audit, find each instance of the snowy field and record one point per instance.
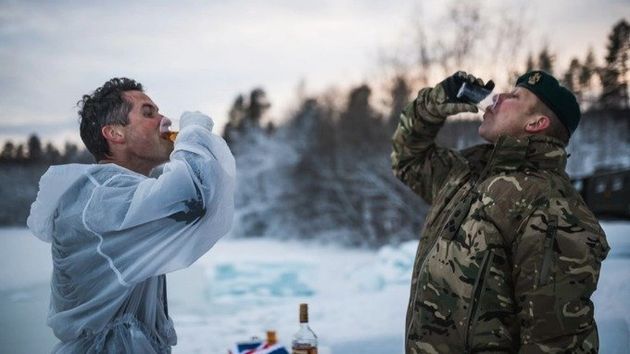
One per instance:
(241, 288)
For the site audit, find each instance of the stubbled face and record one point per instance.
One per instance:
(509, 116)
(142, 134)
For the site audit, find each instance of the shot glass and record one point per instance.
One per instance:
(477, 95)
(169, 128)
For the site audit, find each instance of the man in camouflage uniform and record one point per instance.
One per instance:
(509, 254)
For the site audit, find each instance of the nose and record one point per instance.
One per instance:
(496, 101)
(165, 123)
(492, 103)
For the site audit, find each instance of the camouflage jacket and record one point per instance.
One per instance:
(509, 254)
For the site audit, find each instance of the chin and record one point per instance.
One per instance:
(487, 137)
(486, 133)
(482, 132)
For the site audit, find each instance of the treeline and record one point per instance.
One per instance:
(21, 166)
(34, 153)
(596, 86)
(323, 174)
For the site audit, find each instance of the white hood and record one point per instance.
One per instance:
(53, 184)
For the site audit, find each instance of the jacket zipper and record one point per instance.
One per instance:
(484, 263)
(550, 238)
(476, 292)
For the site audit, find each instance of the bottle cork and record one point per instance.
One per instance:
(303, 313)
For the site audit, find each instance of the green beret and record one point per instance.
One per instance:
(558, 98)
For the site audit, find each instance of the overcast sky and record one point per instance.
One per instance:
(198, 55)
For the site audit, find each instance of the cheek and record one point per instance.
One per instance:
(142, 135)
(151, 127)
(511, 122)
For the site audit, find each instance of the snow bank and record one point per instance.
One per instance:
(242, 287)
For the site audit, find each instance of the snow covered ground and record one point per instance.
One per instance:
(243, 287)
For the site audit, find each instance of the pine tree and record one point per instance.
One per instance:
(35, 151)
(237, 112)
(258, 105)
(585, 79)
(71, 152)
(530, 65)
(399, 97)
(614, 73)
(360, 125)
(571, 78)
(51, 153)
(546, 60)
(8, 152)
(20, 155)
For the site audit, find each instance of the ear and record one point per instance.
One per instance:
(115, 134)
(537, 124)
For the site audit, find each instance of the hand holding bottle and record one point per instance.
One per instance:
(457, 93)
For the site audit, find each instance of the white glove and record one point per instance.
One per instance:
(195, 118)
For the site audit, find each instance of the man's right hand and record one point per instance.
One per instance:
(441, 101)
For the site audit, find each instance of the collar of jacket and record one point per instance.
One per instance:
(537, 152)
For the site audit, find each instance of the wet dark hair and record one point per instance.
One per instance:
(105, 106)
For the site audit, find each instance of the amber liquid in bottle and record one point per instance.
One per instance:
(271, 337)
(305, 340)
(170, 136)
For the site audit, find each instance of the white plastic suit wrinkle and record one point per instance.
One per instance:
(93, 180)
(100, 238)
(195, 150)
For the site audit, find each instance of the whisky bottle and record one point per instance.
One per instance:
(305, 340)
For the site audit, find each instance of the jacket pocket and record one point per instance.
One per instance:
(548, 252)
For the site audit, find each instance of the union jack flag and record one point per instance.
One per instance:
(258, 347)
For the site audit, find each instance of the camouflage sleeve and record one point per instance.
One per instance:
(557, 258)
(416, 159)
